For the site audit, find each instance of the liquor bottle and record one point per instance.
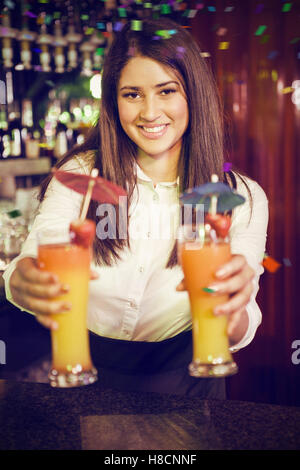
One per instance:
(14, 129)
(4, 143)
(7, 34)
(3, 131)
(44, 40)
(73, 38)
(4, 135)
(61, 141)
(59, 42)
(25, 38)
(29, 137)
(14, 115)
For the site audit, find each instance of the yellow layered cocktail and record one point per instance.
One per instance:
(71, 360)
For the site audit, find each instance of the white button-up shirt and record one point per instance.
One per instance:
(136, 299)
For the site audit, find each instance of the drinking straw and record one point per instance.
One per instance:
(214, 198)
(87, 198)
(201, 232)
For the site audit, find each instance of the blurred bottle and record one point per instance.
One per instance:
(30, 137)
(4, 132)
(61, 140)
(13, 117)
(32, 144)
(27, 118)
(4, 135)
(14, 129)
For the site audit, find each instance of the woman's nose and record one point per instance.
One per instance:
(150, 110)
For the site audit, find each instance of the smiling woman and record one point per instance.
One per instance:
(153, 112)
(160, 132)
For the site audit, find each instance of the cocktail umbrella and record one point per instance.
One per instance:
(216, 197)
(92, 186)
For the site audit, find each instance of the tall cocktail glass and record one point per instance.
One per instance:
(201, 253)
(71, 361)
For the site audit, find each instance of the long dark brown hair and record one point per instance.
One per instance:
(202, 150)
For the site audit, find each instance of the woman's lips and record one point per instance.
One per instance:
(153, 132)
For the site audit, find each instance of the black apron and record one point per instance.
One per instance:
(160, 366)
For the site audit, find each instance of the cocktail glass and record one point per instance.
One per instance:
(71, 360)
(201, 252)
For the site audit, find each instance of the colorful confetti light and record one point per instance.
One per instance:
(9, 4)
(286, 7)
(223, 45)
(180, 7)
(286, 90)
(265, 38)
(100, 51)
(259, 8)
(180, 52)
(260, 30)
(122, 12)
(287, 262)
(270, 264)
(118, 26)
(165, 9)
(31, 15)
(221, 31)
(272, 55)
(227, 166)
(136, 25)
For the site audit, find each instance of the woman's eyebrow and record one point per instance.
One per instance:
(159, 85)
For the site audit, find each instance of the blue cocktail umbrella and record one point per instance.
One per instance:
(225, 197)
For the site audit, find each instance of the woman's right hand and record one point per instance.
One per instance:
(34, 290)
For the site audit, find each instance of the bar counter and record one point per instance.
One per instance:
(36, 416)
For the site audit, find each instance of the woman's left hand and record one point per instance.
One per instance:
(234, 279)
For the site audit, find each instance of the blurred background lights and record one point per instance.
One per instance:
(95, 86)
(296, 95)
(64, 117)
(88, 111)
(296, 84)
(77, 113)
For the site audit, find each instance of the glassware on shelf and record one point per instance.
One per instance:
(13, 233)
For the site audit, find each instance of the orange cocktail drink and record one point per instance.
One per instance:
(71, 360)
(203, 248)
(200, 260)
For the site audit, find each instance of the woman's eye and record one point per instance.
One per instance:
(131, 95)
(168, 91)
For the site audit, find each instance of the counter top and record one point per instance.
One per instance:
(36, 416)
(25, 166)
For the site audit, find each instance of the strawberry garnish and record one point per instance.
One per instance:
(220, 223)
(83, 233)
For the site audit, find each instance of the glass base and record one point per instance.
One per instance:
(197, 369)
(73, 378)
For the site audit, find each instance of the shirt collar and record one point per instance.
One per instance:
(143, 178)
